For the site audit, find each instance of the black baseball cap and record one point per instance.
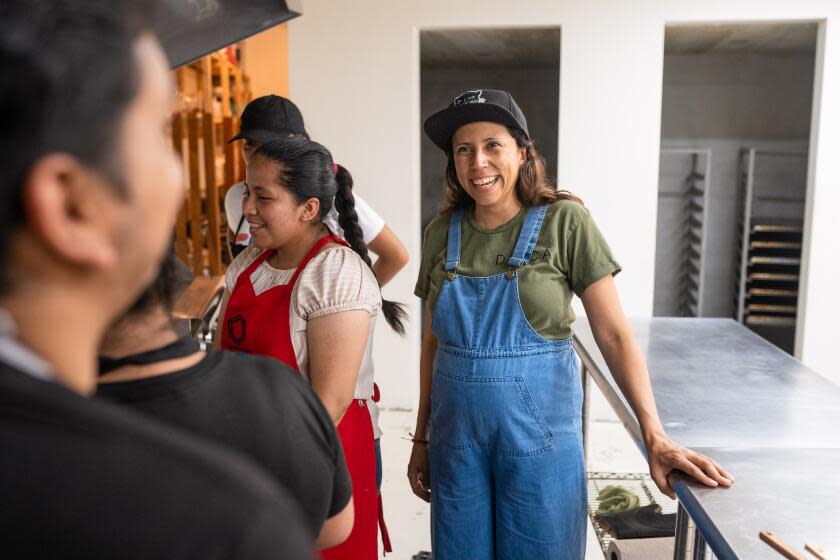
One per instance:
(268, 118)
(491, 105)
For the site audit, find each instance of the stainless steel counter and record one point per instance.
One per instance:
(767, 418)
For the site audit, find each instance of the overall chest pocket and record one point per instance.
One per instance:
(496, 413)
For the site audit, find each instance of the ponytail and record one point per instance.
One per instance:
(348, 219)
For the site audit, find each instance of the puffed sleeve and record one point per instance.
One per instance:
(336, 280)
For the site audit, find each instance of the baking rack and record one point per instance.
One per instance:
(770, 242)
(638, 483)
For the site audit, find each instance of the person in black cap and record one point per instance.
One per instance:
(498, 441)
(84, 220)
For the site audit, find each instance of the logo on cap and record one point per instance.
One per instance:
(472, 96)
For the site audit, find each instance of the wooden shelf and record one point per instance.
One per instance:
(768, 320)
(773, 277)
(775, 245)
(776, 228)
(771, 292)
(771, 308)
(782, 261)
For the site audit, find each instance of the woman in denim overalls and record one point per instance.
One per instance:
(498, 443)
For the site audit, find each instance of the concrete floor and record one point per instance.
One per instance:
(610, 449)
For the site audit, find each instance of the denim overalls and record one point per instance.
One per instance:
(506, 453)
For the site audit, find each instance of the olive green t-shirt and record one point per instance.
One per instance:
(570, 255)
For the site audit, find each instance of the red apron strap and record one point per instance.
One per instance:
(383, 529)
(254, 265)
(329, 238)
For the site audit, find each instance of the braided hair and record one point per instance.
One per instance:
(349, 221)
(306, 170)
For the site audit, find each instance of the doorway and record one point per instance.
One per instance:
(736, 120)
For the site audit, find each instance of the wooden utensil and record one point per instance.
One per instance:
(816, 551)
(780, 546)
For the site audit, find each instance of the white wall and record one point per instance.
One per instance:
(766, 96)
(354, 70)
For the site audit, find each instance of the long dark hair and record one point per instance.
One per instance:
(306, 170)
(532, 187)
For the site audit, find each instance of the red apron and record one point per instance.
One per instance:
(259, 324)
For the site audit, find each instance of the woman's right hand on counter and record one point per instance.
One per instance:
(664, 456)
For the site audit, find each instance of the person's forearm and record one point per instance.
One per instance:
(386, 268)
(392, 255)
(627, 365)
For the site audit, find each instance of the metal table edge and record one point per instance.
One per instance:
(703, 521)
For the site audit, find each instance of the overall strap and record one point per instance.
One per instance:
(328, 238)
(527, 237)
(453, 243)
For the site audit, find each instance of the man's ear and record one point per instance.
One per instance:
(71, 211)
(310, 209)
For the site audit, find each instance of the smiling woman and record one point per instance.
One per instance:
(500, 392)
(310, 299)
(486, 162)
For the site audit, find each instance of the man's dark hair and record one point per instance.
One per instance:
(68, 75)
(172, 279)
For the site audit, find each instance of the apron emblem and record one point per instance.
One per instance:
(236, 329)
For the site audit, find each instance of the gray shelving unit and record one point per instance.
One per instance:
(770, 242)
(681, 232)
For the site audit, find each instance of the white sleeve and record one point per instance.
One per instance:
(370, 222)
(336, 280)
(233, 205)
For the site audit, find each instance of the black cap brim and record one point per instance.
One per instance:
(440, 126)
(262, 136)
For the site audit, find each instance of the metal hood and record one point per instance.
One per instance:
(190, 29)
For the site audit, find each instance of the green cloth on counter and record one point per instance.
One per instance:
(613, 499)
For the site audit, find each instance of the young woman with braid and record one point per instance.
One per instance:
(311, 300)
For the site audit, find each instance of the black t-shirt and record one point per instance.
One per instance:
(82, 478)
(261, 407)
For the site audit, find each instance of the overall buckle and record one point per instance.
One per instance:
(512, 270)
